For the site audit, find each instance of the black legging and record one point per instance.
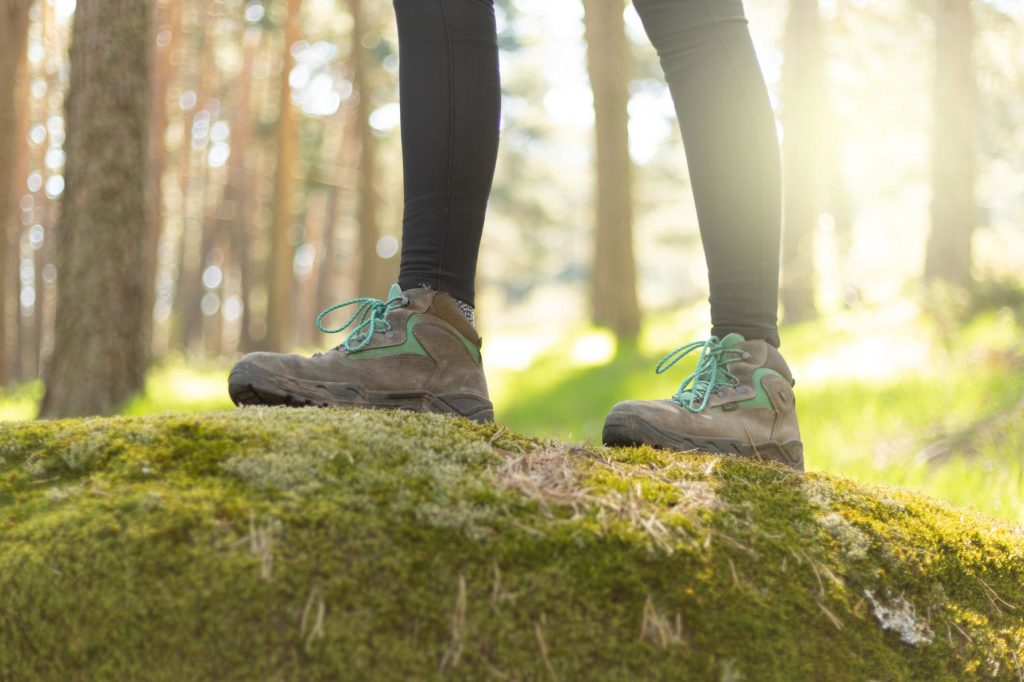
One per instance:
(450, 92)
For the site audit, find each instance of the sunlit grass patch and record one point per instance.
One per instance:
(21, 402)
(874, 388)
(175, 385)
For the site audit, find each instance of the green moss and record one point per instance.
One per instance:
(320, 544)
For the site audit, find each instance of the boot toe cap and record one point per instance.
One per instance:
(255, 369)
(647, 409)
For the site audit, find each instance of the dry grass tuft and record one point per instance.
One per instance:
(662, 631)
(566, 478)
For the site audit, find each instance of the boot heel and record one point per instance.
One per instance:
(472, 407)
(791, 454)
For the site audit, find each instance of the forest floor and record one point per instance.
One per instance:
(274, 543)
(885, 396)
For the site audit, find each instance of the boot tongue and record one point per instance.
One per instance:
(732, 340)
(395, 292)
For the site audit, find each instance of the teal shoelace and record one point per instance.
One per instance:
(712, 372)
(369, 318)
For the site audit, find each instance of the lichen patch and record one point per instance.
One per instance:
(901, 617)
(852, 539)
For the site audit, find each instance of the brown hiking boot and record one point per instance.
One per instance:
(739, 401)
(414, 351)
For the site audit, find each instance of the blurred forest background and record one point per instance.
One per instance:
(265, 184)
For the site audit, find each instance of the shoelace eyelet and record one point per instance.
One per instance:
(711, 376)
(370, 318)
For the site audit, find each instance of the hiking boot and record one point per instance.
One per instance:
(414, 351)
(739, 401)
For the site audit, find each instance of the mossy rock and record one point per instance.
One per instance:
(349, 545)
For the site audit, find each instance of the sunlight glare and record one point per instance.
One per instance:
(592, 349)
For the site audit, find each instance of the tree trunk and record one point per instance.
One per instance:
(196, 236)
(42, 211)
(954, 149)
(166, 34)
(279, 319)
(613, 279)
(374, 277)
(194, 175)
(344, 167)
(99, 357)
(13, 36)
(235, 209)
(25, 157)
(803, 167)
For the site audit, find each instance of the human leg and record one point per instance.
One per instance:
(732, 152)
(451, 103)
(739, 399)
(416, 350)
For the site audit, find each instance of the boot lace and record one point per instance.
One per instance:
(369, 318)
(711, 374)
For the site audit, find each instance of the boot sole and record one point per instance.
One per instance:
(253, 386)
(632, 431)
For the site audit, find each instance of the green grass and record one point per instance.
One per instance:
(21, 402)
(915, 392)
(172, 385)
(875, 388)
(350, 545)
(176, 386)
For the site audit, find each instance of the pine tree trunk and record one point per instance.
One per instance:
(235, 209)
(166, 33)
(17, 369)
(193, 172)
(345, 167)
(13, 35)
(196, 237)
(954, 146)
(373, 277)
(100, 356)
(613, 279)
(804, 173)
(279, 319)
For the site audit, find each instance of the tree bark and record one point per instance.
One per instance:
(236, 207)
(18, 368)
(99, 357)
(282, 251)
(954, 146)
(374, 276)
(164, 38)
(345, 166)
(186, 249)
(196, 240)
(13, 37)
(803, 166)
(613, 279)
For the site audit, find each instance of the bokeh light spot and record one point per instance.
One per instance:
(212, 277)
(387, 247)
(210, 304)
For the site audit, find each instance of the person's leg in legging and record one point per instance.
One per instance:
(732, 152)
(739, 399)
(451, 102)
(417, 350)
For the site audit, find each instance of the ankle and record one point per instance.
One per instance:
(465, 308)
